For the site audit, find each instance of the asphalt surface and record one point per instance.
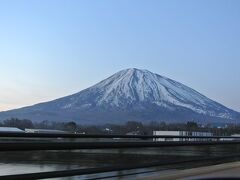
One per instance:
(228, 170)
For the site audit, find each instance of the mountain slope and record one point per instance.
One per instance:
(130, 94)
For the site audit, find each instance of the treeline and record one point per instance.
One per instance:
(19, 123)
(28, 124)
(130, 127)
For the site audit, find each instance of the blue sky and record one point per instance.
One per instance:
(53, 48)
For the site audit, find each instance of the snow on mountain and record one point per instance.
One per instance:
(130, 94)
(134, 86)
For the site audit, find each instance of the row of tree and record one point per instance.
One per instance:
(129, 127)
(26, 123)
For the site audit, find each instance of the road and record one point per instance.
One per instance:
(216, 171)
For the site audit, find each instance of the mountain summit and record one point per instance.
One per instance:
(130, 94)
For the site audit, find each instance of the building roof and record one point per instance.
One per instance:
(44, 131)
(10, 129)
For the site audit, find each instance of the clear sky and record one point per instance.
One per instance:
(53, 48)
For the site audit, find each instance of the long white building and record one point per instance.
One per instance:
(180, 133)
(53, 131)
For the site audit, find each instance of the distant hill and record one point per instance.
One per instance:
(130, 94)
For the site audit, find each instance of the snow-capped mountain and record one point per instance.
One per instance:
(130, 94)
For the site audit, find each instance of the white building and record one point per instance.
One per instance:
(180, 133)
(10, 129)
(51, 131)
(236, 137)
